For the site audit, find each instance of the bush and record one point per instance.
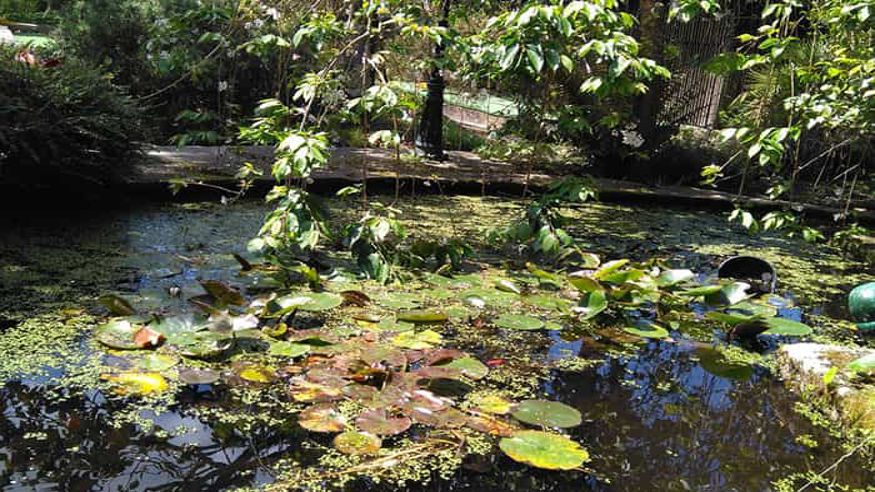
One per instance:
(62, 125)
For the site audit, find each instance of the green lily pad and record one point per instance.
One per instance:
(288, 349)
(544, 450)
(547, 413)
(713, 361)
(309, 301)
(422, 316)
(470, 367)
(508, 286)
(674, 277)
(492, 404)
(390, 324)
(357, 443)
(518, 322)
(729, 294)
(609, 268)
(753, 309)
(417, 340)
(786, 327)
(585, 284)
(256, 373)
(157, 362)
(701, 291)
(647, 330)
(117, 334)
(595, 304)
(138, 383)
(865, 364)
(203, 344)
(546, 301)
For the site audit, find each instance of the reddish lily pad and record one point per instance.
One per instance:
(322, 418)
(380, 423)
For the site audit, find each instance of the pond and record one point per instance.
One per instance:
(676, 413)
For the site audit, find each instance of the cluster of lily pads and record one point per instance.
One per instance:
(386, 354)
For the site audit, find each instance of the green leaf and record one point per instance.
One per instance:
(786, 327)
(470, 367)
(673, 277)
(865, 364)
(117, 334)
(596, 303)
(288, 349)
(417, 341)
(536, 60)
(117, 305)
(422, 316)
(648, 330)
(357, 443)
(547, 413)
(609, 268)
(544, 450)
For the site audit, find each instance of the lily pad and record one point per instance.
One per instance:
(117, 334)
(157, 362)
(701, 291)
(417, 340)
(547, 413)
(322, 418)
(595, 304)
(492, 404)
(518, 322)
(544, 450)
(865, 364)
(508, 286)
(380, 423)
(713, 361)
(203, 344)
(729, 294)
(786, 327)
(198, 376)
(674, 277)
(399, 300)
(256, 373)
(288, 349)
(422, 316)
(469, 366)
(357, 443)
(138, 383)
(490, 425)
(647, 330)
(609, 268)
(546, 301)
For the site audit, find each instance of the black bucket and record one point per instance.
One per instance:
(759, 273)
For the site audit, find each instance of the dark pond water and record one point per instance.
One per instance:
(655, 420)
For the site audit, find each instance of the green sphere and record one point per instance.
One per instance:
(861, 303)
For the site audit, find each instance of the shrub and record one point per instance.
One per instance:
(66, 124)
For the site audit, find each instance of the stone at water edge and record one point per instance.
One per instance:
(861, 303)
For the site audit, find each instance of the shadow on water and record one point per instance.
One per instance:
(664, 418)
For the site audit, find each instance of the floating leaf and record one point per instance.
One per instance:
(544, 450)
(865, 364)
(203, 344)
(518, 322)
(753, 309)
(786, 327)
(380, 423)
(543, 275)
(507, 286)
(547, 413)
(198, 376)
(421, 316)
(322, 418)
(117, 305)
(389, 324)
(138, 383)
(492, 404)
(716, 363)
(357, 443)
(596, 303)
(728, 294)
(585, 284)
(306, 391)
(546, 301)
(417, 340)
(117, 334)
(288, 349)
(470, 367)
(701, 291)
(609, 268)
(647, 330)
(674, 277)
(157, 362)
(223, 293)
(310, 301)
(256, 373)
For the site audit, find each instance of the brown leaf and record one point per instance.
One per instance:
(146, 337)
